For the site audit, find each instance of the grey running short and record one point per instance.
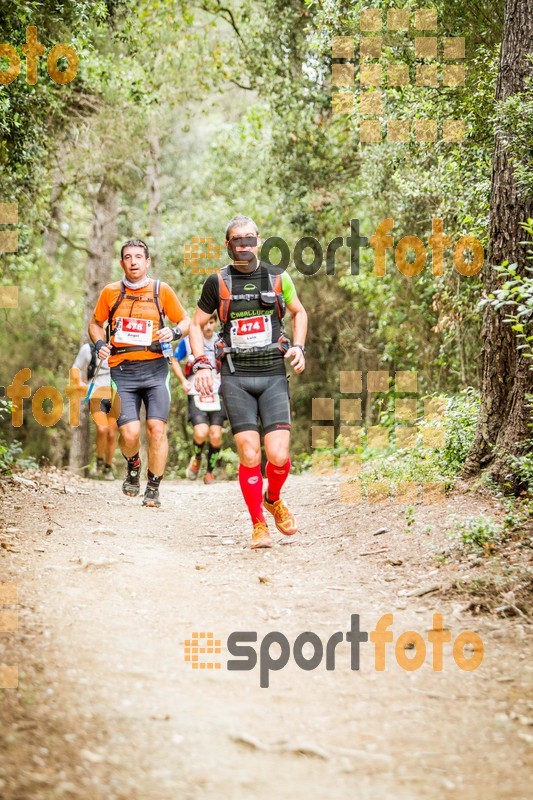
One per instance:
(139, 382)
(199, 417)
(247, 398)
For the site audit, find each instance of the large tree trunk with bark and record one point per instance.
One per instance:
(102, 238)
(507, 378)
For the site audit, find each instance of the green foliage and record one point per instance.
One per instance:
(522, 465)
(409, 519)
(515, 295)
(275, 152)
(515, 126)
(477, 533)
(10, 451)
(426, 465)
(460, 423)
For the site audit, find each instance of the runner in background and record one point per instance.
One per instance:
(206, 414)
(106, 435)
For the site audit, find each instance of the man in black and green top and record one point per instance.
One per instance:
(251, 299)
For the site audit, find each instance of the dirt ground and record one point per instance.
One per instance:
(108, 708)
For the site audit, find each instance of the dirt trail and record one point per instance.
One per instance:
(108, 708)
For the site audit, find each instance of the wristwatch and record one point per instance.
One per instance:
(301, 347)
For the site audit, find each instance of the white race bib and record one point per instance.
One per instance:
(133, 331)
(210, 402)
(251, 332)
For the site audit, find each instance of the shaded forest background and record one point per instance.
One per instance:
(183, 114)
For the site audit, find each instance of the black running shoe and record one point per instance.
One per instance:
(151, 498)
(132, 484)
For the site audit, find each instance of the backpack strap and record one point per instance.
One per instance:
(277, 287)
(157, 301)
(224, 293)
(118, 301)
(120, 298)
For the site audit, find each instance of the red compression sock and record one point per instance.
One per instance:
(251, 482)
(276, 478)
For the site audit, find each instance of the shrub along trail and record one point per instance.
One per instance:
(108, 708)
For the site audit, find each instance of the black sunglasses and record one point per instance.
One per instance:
(243, 241)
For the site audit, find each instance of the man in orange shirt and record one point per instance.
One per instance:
(136, 341)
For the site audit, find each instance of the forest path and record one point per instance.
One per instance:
(108, 708)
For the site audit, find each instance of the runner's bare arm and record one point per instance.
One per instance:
(174, 310)
(96, 332)
(204, 377)
(185, 325)
(196, 336)
(299, 332)
(178, 372)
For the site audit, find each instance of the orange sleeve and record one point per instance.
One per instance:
(171, 305)
(102, 308)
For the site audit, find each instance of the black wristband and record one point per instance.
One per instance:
(300, 347)
(176, 333)
(98, 345)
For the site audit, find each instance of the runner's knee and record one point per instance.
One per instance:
(277, 452)
(215, 438)
(156, 430)
(129, 436)
(249, 453)
(200, 433)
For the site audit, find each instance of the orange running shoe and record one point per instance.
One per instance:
(285, 522)
(260, 536)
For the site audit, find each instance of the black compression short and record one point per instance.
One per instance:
(139, 382)
(247, 398)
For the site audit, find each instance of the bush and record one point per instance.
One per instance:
(426, 465)
(460, 426)
(9, 451)
(477, 533)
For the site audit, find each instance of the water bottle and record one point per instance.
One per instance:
(167, 350)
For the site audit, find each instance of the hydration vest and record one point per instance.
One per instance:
(266, 299)
(226, 296)
(155, 347)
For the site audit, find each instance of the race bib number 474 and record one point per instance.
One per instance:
(134, 331)
(251, 332)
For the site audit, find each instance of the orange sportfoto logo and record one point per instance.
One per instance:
(410, 649)
(201, 644)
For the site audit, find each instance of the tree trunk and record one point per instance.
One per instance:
(51, 232)
(153, 176)
(506, 377)
(102, 238)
